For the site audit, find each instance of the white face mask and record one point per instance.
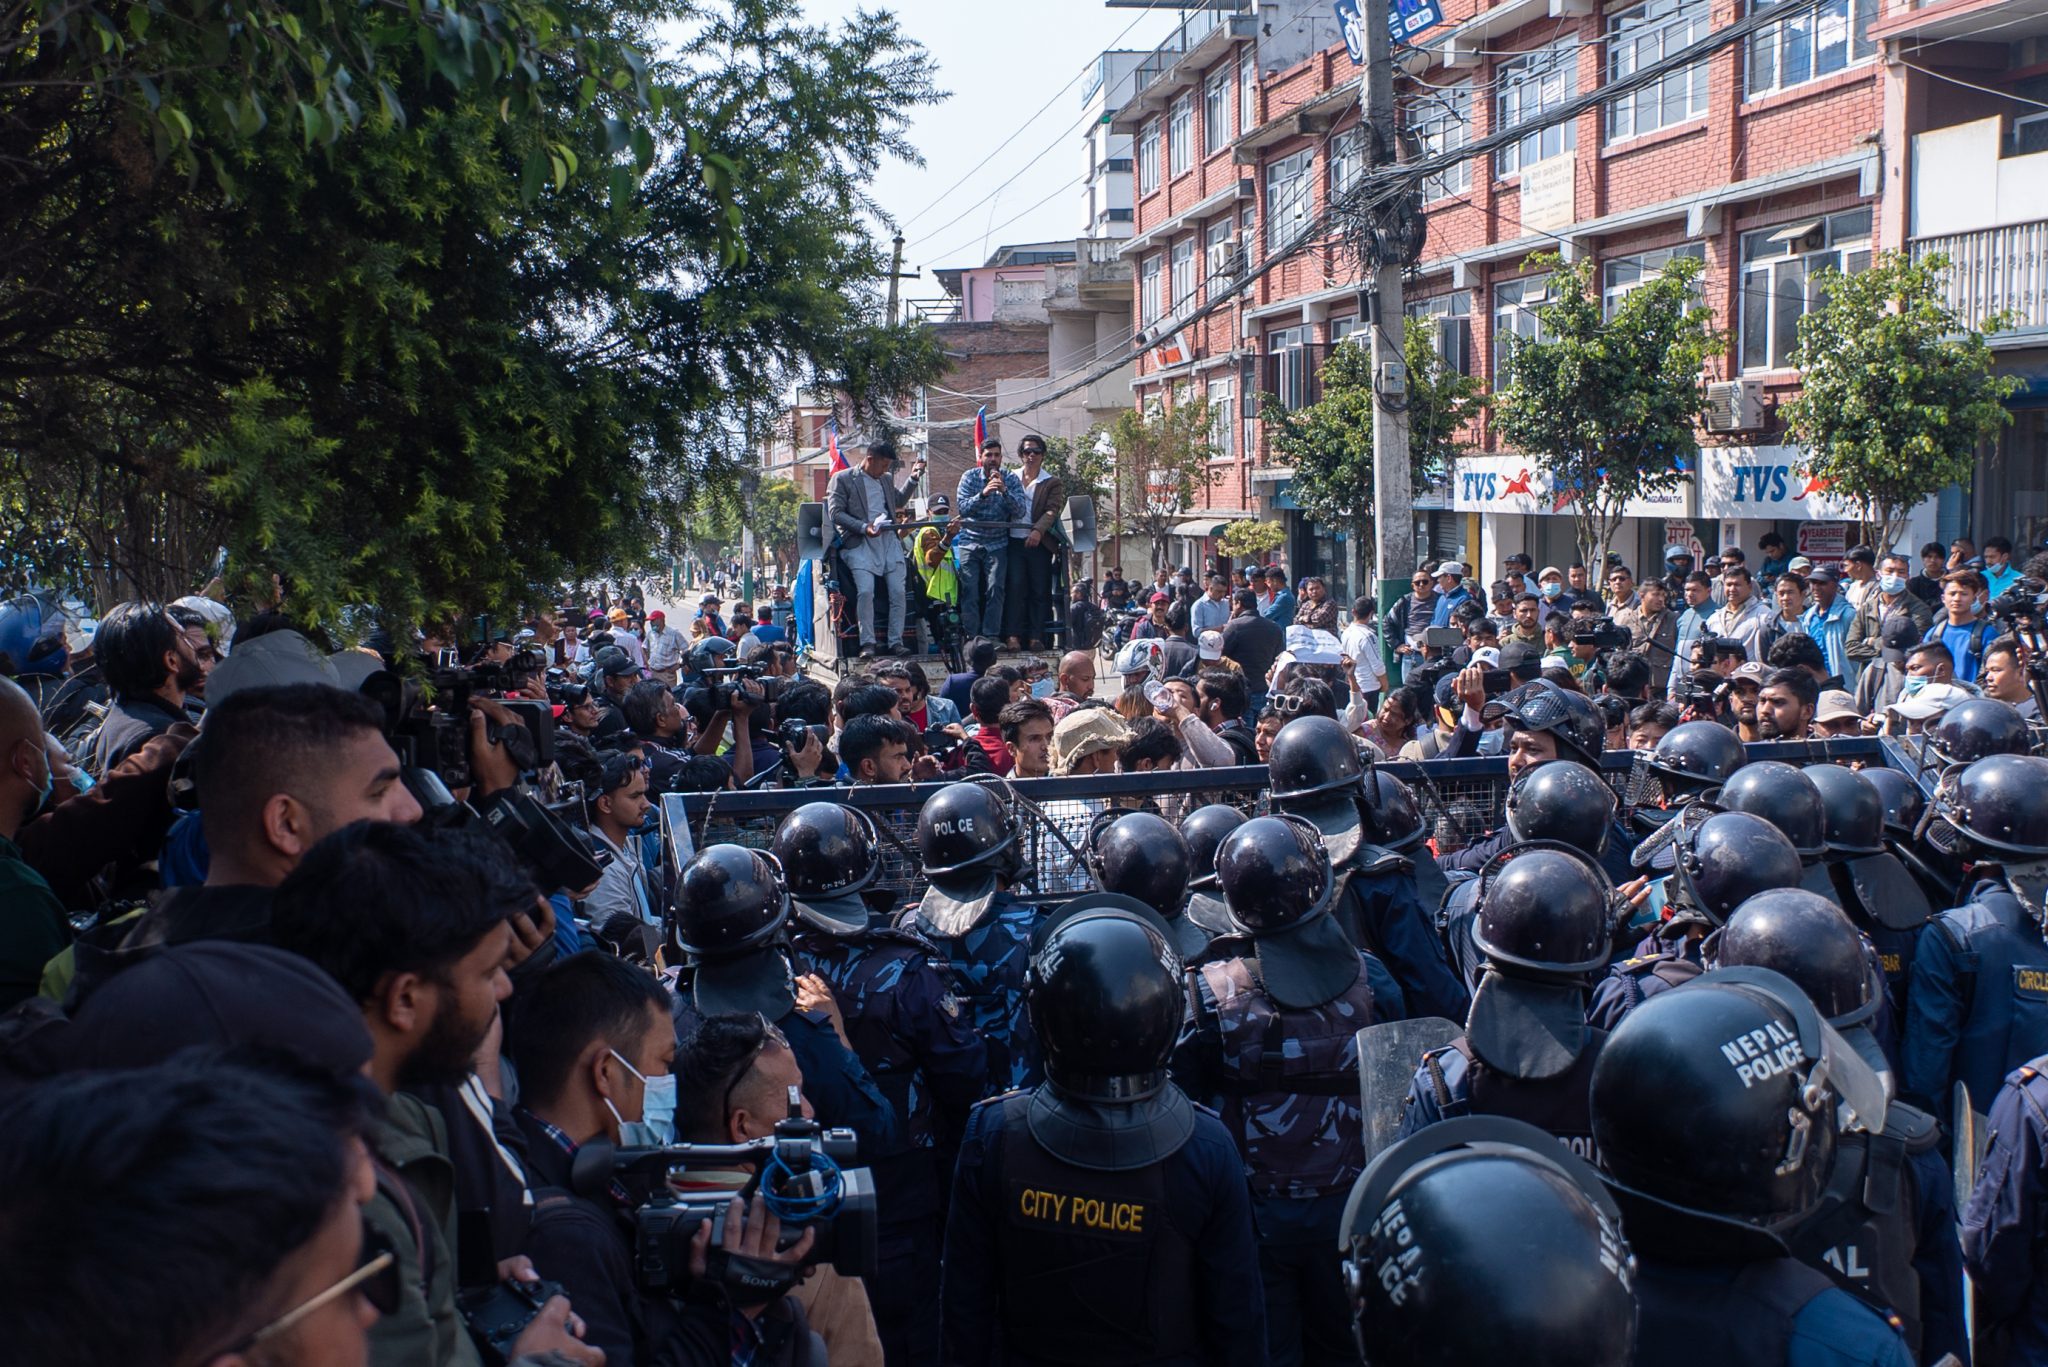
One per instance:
(656, 1127)
(1892, 583)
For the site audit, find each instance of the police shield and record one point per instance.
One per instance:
(1388, 1056)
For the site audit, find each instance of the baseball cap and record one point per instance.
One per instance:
(617, 614)
(1521, 659)
(657, 616)
(1836, 704)
(1800, 563)
(1210, 645)
(709, 600)
(1450, 567)
(940, 504)
(1486, 657)
(1157, 597)
(1900, 634)
(1750, 671)
(1823, 572)
(270, 661)
(615, 663)
(1932, 701)
(1549, 570)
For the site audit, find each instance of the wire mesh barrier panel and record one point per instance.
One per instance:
(1462, 800)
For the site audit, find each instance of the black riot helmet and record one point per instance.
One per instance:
(1564, 801)
(1903, 801)
(1975, 728)
(1783, 796)
(1105, 997)
(1204, 829)
(1393, 817)
(1482, 1231)
(1273, 873)
(1721, 1101)
(1571, 718)
(1143, 856)
(1544, 910)
(1996, 805)
(966, 832)
(1311, 756)
(1854, 809)
(1719, 861)
(1696, 755)
(730, 901)
(829, 854)
(1811, 941)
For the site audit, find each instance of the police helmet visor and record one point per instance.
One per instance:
(755, 982)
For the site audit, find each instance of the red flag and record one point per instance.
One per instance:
(980, 428)
(832, 445)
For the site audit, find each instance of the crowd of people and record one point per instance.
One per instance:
(374, 1004)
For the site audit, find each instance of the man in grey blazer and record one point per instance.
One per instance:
(863, 502)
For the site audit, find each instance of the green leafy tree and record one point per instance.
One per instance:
(1162, 468)
(1083, 464)
(1252, 540)
(1896, 390)
(775, 505)
(402, 381)
(1329, 443)
(1608, 407)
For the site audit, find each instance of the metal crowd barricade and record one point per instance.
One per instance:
(1461, 800)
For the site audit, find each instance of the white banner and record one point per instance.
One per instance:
(1514, 484)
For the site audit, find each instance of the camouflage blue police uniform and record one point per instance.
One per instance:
(1285, 1081)
(1978, 1007)
(1380, 907)
(988, 964)
(912, 1033)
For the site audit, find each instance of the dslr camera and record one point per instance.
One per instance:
(1601, 633)
(725, 684)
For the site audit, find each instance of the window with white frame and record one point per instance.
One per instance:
(1180, 135)
(1183, 272)
(1247, 91)
(1291, 361)
(1148, 158)
(1343, 329)
(1347, 160)
(1811, 41)
(1449, 318)
(1526, 88)
(1619, 275)
(1780, 284)
(1222, 398)
(1148, 290)
(1216, 112)
(1514, 315)
(1441, 119)
(1641, 37)
(1216, 236)
(1290, 192)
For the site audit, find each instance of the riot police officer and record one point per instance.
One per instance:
(1717, 1110)
(904, 1022)
(1315, 775)
(2003, 1220)
(1562, 801)
(1977, 728)
(1545, 927)
(1719, 861)
(1100, 1218)
(1270, 1037)
(1886, 1225)
(732, 924)
(1788, 799)
(1204, 829)
(1479, 1241)
(1544, 723)
(1870, 883)
(1692, 759)
(1144, 856)
(967, 839)
(1394, 821)
(1904, 805)
(1978, 1006)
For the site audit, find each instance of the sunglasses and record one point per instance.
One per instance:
(376, 1276)
(1286, 704)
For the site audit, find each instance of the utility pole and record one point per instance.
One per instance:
(896, 272)
(1392, 500)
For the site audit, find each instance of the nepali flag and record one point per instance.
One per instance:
(832, 445)
(980, 428)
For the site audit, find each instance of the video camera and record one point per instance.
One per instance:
(725, 683)
(801, 1178)
(2026, 601)
(1601, 633)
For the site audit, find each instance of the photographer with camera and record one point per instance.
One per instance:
(617, 807)
(417, 924)
(734, 1076)
(595, 1049)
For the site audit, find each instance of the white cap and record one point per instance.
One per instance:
(1450, 567)
(1487, 657)
(1932, 701)
(1548, 570)
(1136, 657)
(1210, 645)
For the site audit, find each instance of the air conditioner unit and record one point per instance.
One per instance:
(1735, 405)
(1226, 258)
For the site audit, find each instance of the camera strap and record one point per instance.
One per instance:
(748, 1282)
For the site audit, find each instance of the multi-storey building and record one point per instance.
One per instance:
(1766, 161)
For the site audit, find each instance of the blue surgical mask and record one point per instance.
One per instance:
(656, 1127)
(1914, 683)
(1551, 588)
(1043, 688)
(1493, 742)
(1892, 583)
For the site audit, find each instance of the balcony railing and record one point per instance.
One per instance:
(1184, 39)
(1996, 271)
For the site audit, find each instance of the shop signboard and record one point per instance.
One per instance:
(1679, 532)
(1515, 485)
(1824, 540)
(1767, 482)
